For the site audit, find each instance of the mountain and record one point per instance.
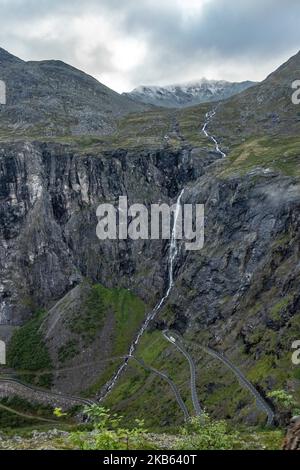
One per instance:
(265, 109)
(81, 302)
(52, 98)
(189, 94)
(7, 58)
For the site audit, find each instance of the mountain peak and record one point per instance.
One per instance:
(40, 90)
(187, 94)
(6, 57)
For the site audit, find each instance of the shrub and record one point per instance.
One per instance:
(285, 401)
(108, 434)
(68, 351)
(206, 434)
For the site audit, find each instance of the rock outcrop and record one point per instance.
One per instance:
(49, 198)
(292, 440)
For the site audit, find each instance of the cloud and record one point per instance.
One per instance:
(125, 43)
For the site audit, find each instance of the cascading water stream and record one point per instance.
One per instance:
(173, 252)
(208, 118)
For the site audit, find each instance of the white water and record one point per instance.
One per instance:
(173, 252)
(208, 117)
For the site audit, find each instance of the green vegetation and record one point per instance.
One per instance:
(16, 412)
(191, 121)
(10, 420)
(68, 351)
(27, 351)
(146, 130)
(281, 305)
(139, 391)
(128, 312)
(88, 322)
(285, 401)
(259, 439)
(109, 433)
(136, 130)
(278, 153)
(153, 129)
(207, 434)
(59, 413)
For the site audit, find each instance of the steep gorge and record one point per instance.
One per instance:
(239, 294)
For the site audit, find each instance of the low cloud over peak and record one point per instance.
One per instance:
(128, 43)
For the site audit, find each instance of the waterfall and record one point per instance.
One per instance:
(173, 252)
(208, 118)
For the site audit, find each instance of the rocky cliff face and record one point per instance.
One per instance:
(240, 294)
(246, 220)
(49, 198)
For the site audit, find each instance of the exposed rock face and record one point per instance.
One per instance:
(262, 110)
(292, 440)
(49, 198)
(247, 221)
(52, 98)
(232, 289)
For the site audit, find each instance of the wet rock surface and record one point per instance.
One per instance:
(48, 219)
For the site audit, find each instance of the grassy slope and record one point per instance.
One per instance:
(149, 130)
(129, 313)
(265, 359)
(278, 153)
(27, 351)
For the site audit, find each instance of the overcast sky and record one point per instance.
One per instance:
(126, 43)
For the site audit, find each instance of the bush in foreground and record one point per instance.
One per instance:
(108, 433)
(206, 434)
